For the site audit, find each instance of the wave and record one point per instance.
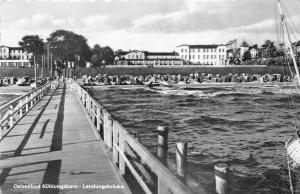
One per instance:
(221, 92)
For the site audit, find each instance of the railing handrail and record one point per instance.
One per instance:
(13, 111)
(23, 96)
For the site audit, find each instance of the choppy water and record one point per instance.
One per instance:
(243, 126)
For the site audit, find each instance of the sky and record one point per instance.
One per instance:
(153, 25)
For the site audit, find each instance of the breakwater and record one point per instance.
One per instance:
(168, 80)
(137, 71)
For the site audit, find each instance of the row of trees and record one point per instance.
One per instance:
(67, 46)
(268, 50)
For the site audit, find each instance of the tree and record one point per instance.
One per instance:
(69, 46)
(268, 49)
(108, 55)
(33, 44)
(246, 56)
(97, 58)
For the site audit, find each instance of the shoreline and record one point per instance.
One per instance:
(202, 85)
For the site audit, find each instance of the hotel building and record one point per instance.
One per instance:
(145, 58)
(14, 57)
(214, 55)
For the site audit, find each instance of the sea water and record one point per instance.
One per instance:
(246, 127)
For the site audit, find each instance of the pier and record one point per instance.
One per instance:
(58, 139)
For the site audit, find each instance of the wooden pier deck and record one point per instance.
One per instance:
(54, 144)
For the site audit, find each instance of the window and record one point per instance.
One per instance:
(198, 56)
(186, 50)
(185, 56)
(215, 56)
(199, 50)
(182, 50)
(211, 56)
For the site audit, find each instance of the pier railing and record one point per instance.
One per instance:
(128, 153)
(13, 111)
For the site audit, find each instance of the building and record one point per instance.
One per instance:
(254, 53)
(145, 58)
(243, 48)
(14, 57)
(202, 54)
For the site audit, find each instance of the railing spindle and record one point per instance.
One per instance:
(122, 149)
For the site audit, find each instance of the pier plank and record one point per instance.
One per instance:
(55, 144)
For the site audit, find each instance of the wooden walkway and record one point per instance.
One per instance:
(54, 145)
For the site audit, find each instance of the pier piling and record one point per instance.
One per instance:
(162, 143)
(181, 160)
(222, 178)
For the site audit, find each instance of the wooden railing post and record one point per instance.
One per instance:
(105, 128)
(21, 107)
(26, 107)
(222, 177)
(162, 149)
(84, 100)
(98, 118)
(115, 142)
(122, 149)
(181, 161)
(91, 108)
(11, 116)
(109, 132)
(31, 100)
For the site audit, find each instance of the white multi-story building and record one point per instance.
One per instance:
(14, 57)
(203, 54)
(145, 58)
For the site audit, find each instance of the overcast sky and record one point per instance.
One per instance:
(155, 25)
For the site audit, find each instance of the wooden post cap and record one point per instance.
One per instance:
(222, 178)
(163, 130)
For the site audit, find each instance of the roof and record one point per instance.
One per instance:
(118, 53)
(16, 48)
(162, 53)
(244, 44)
(122, 52)
(12, 48)
(202, 45)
